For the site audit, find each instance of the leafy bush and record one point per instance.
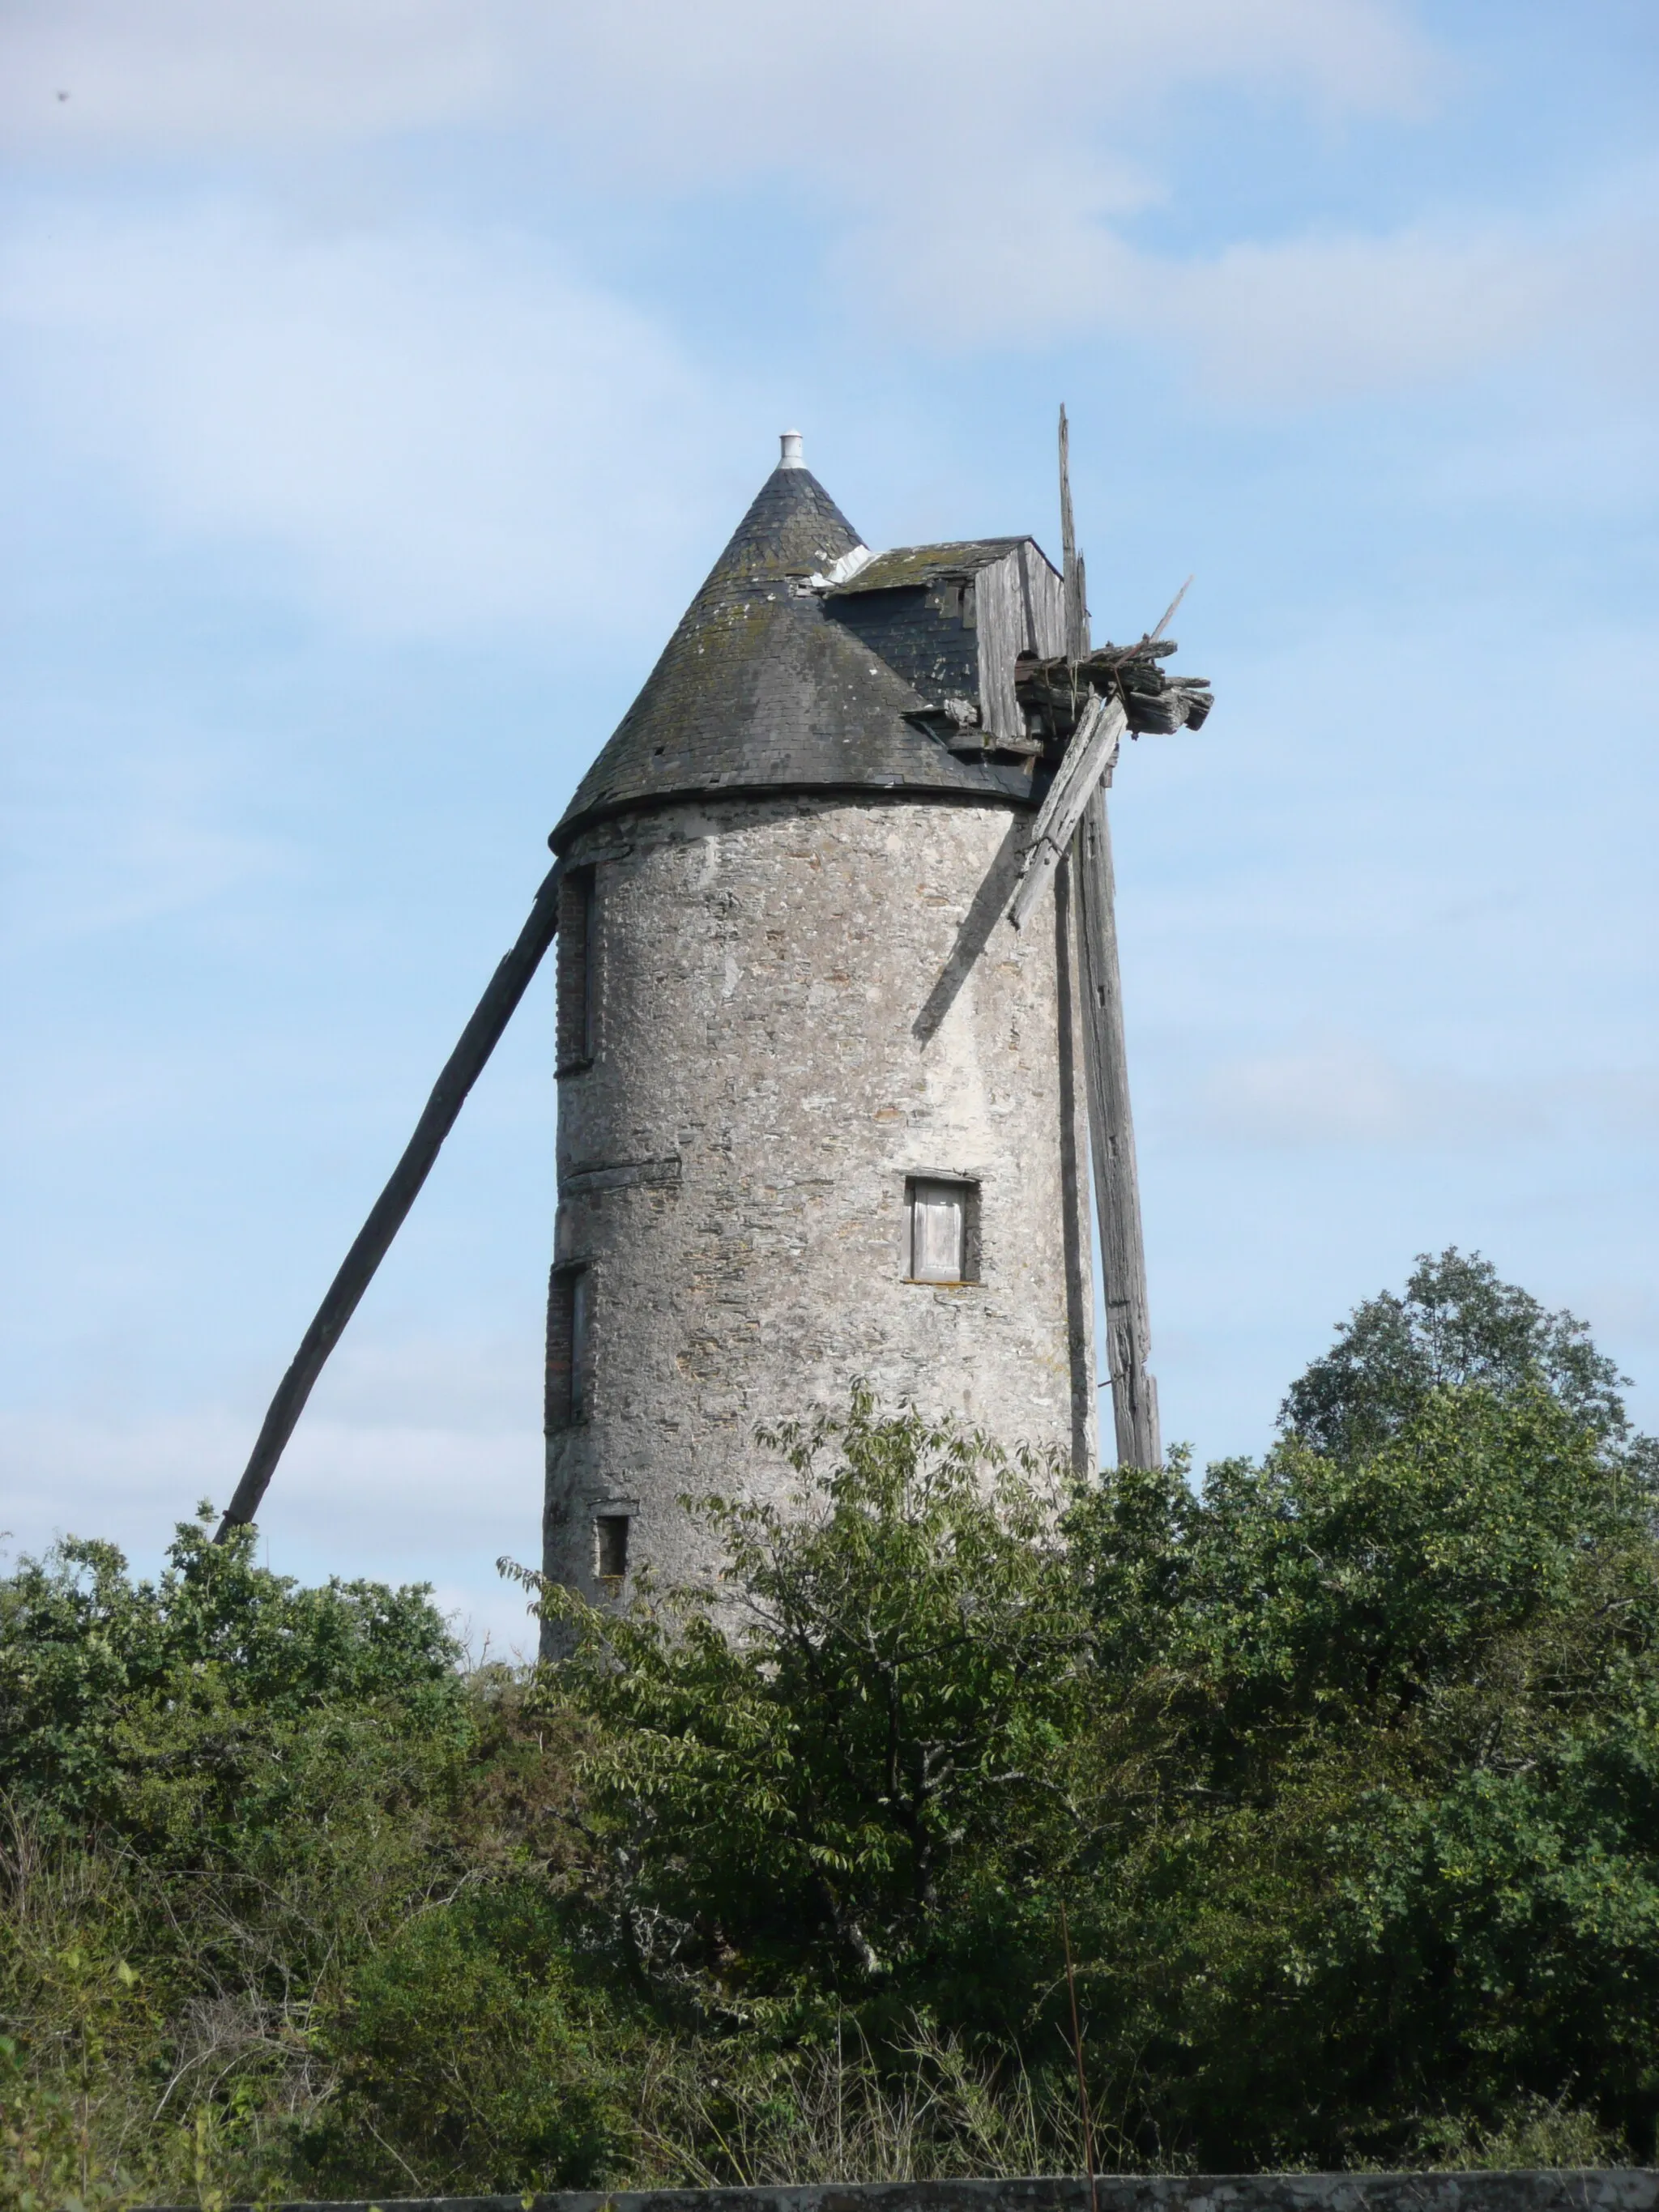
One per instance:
(138, 1703)
(879, 1713)
(229, 1801)
(1394, 1853)
(1342, 1768)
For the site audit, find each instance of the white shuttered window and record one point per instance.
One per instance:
(938, 1232)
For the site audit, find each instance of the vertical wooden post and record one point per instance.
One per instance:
(1077, 604)
(1112, 1148)
(1111, 1126)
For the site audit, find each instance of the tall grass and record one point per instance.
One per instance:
(924, 2110)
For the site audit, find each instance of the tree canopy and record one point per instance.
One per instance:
(1455, 1324)
(1342, 1766)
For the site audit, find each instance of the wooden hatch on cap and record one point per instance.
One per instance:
(954, 620)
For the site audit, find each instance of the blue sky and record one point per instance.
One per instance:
(378, 380)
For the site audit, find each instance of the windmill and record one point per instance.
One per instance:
(819, 709)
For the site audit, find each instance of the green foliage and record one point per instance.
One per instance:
(1393, 1717)
(462, 2040)
(1343, 1766)
(1455, 1327)
(1347, 1590)
(132, 1702)
(877, 1710)
(46, 2154)
(238, 1810)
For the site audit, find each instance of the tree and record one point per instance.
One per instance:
(1387, 1718)
(1344, 1765)
(116, 1692)
(1455, 1324)
(819, 1779)
(279, 1893)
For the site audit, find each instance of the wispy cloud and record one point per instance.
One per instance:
(1345, 1092)
(380, 1483)
(1334, 316)
(95, 840)
(1328, 315)
(438, 429)
(428, 424)
(651, 87)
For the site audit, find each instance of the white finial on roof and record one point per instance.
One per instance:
(790, 441)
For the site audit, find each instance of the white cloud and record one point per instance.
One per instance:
(485, 1387)
(1335, 317)
(653, 88)
(934, 100)
(1326, 316)
(428, 423)
(97, 838)
(68, 1474)
(905, 123)
(1341, 1091)
(194, 72)
(439, 430)
(1625, 1100)
(447, 428)
(391, 1500)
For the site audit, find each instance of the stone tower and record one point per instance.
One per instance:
(821, 1114)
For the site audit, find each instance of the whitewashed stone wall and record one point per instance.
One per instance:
(800, 1002)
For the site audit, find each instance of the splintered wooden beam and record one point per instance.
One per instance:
(461, 1071)
(1076, 588)
(1054, 689)
(1090, 759)
(1112, 1148)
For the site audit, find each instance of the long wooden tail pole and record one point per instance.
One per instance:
(1112, 1148)
(461, 1071)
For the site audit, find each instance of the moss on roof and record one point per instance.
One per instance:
(758, 689)
(908, 565)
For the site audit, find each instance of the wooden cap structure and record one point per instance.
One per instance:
(771, 683)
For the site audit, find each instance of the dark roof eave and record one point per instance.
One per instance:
(1008, 786)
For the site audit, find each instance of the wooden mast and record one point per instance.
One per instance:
(1111, 1126)
(460, 1071)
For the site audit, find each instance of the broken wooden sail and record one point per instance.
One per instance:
(1080, 704)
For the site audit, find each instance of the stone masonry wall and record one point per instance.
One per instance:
(800, 1002)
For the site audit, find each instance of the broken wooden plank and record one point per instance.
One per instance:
(1054, 689)
(1089, 762)
(460, 1071)
(1168, 615)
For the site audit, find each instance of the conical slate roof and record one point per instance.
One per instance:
(761, 689)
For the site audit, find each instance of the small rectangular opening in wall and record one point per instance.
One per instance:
(942, 1221)
(569, 1311)
(611, 1546)
(581, 1308)
(577, 987)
